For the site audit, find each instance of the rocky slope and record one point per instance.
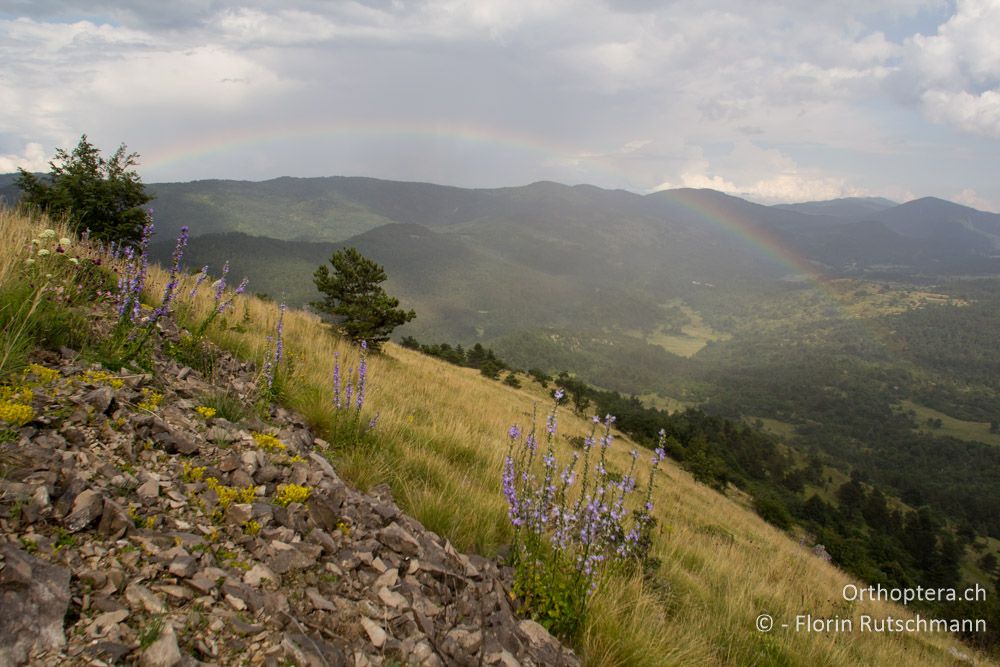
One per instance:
(135, 529)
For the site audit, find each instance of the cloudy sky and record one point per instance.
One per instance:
(774, 100)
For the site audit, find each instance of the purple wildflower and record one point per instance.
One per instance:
(174, 279)
(658, 455)
(596, 529)
(198, 281)
(131, 274)
(336, 380)
(279, 346)
(510, 492)
(222, 307)
(362, 377)
(272, 360)
(220, 284)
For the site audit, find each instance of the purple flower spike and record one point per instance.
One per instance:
(336, 380)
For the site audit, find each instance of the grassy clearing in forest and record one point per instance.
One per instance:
(693, 336)
(951, 427)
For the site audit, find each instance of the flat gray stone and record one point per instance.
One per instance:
(34, 596)
(164, 652)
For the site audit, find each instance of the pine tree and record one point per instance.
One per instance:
(101, 194)
(353, 294)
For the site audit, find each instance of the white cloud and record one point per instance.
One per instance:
(971, 198)
(775, 189)
(764, 175)
(957, 70)
(967, 111)
(209, 78)
(33, 158)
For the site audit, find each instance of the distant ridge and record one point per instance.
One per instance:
(649, 243)
(850, 208)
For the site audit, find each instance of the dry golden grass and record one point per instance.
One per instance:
(16, 232)
(440, 443)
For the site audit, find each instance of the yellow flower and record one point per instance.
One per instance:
(268, 442)
(150, 400)
(292, 493)
(102, 377)
(22, 395)
(205, 411)
(192, 473)
(44, 375)
(230, 494)
(16, 414)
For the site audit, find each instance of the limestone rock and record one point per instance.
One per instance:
(375, 633)
(87, 507)
(398, 539)
(100, 398)
(34, 597)
(164, 652)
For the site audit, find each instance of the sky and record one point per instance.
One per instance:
(773, 101)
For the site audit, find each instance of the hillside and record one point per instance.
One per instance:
(439, 445)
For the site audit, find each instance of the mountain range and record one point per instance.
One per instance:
(480, 264)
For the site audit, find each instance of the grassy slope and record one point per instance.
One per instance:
(439, 444)
(955, 428)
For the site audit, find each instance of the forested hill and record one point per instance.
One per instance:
(338, 208)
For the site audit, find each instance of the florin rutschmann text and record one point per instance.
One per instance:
(886, 624)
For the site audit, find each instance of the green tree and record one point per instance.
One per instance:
(352, 292)
(103, 195)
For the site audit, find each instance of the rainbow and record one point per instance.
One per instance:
(226, 141)
(765, 241)
(218, 143)
(772, 246)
